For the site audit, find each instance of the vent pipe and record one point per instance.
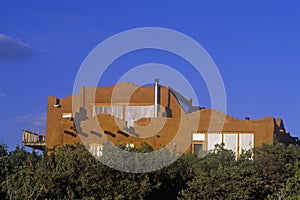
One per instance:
(156, 97)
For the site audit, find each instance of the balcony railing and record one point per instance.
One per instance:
(34, 139)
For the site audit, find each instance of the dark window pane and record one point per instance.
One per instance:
(198, 150)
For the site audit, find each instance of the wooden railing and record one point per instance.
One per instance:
(35, 139)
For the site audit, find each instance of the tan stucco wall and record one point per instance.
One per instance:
(164, 128)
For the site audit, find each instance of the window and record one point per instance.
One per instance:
(198, 137)
(198, 150)
(246, 142)
(66, 115)
(132, 113)
(212, 140)
(231, 142)
(116, 111)
(129, 146)
(96, 150)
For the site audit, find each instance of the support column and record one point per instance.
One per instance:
(156, 97)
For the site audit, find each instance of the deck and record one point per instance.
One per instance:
(34, 139)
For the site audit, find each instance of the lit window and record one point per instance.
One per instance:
(96, 150)
(231, 142)
(212, 140)
(246, 142)
(66, 115)
(129, 146)
(198, 137)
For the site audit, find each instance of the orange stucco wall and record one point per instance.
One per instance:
(155, 131)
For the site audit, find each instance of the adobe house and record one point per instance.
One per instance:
(130, 114)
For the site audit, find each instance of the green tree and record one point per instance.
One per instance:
(291, 188)
(3, 168)
(275, 164)
(71, 172)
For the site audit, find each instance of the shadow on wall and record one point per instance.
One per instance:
(283, 136)
(80, 117)
(186, 103)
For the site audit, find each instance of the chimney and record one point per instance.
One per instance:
(156, 97)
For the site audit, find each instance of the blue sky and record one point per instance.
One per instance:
(255, 45)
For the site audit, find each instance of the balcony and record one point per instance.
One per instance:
(34, 139)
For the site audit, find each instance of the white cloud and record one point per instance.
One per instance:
(32, 120)
(39, 121)
(14, 50)
(2, 95)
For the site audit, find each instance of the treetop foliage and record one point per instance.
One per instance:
(71, 172)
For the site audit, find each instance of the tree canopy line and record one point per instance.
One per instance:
(71, 172)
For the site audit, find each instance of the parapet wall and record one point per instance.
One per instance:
(155, 131)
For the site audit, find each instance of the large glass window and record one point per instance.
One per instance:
(132, 113)
(212, 140)
(231, 141)
(246, 141)
(116, 111)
